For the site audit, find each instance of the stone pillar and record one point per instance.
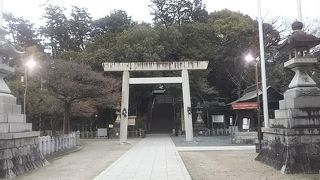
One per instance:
(182, 119)
(78, 138)
(187, 105)
(124, 107)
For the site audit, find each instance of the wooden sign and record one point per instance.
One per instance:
(217, 118)
(132, 120)
(244, 105)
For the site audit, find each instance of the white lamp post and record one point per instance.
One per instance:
(29, 65)
(263, 69)
(250, 58)
(299, 10)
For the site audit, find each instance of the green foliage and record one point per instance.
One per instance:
(66, 34)
(56, 30)
(278, 76)
(199, 13)
(229, 72)
(228, 25)
(22, 32)
(80, 28)
(140, 43)
(117, 21)
(170, 12)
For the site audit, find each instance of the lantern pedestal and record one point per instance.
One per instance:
(291, 143)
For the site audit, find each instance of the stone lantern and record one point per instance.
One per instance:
(292, 141)
(115, 132)
(117, 121)
(298, 46)
(200, 128)
(199, 113)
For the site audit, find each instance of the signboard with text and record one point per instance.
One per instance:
(244, 105)
(217, 118)
(132, 120)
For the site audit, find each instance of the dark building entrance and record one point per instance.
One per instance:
(162, 114)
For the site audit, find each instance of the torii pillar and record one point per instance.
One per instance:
(182, 66)
(124, 107)
(187, 105)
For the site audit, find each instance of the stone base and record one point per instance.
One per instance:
(115, 131)
(200, 129)
(290, 150)
(245, 138)
(19, 155)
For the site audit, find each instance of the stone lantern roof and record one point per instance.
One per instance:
(7, 51)
(299, 39)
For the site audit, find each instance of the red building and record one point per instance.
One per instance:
(245, 108)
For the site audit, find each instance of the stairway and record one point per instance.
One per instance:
(162, 118)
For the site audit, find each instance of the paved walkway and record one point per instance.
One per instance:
(153, 158)
(94, 157)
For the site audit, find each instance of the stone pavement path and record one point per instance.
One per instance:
(95, 156)
(153, 158)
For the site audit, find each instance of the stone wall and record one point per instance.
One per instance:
(19, 155)
(292, 150)
(19, 145)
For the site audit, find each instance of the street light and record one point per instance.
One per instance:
(250, 58)
(29, 65)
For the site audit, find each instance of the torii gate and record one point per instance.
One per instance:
(182, 66)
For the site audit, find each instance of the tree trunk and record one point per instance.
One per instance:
(67, 115)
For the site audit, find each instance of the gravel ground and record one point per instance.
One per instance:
(94, 157)
(203, 141)
(233, 165)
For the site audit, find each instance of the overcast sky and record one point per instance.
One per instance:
(140, 11)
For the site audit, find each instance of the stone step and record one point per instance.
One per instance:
(16, 109)
(301, 92)
(20, 127)
(282, 104)
(7, 98)
(4, 128)
(297, 113)
(15, 127)
(10, 108)
(294, 123)
(300, 102)
(290, 132)
(18, 135)
(17, 118)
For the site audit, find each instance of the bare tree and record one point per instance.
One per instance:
(73, 83)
